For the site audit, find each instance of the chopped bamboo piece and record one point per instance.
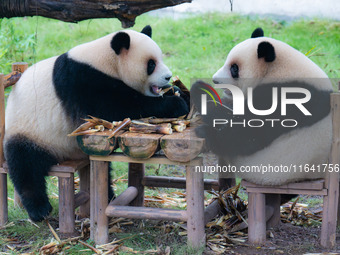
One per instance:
(85, 132)
(53, 232)
(140, 123)
(83, 127)
(180, 128)
(177, 82)
(166, 90)
(159, 129)
(98, 121)
(100, 127)
(165, 120)
(191, 113)
(181, 122)
(122, 125)
(90, 247)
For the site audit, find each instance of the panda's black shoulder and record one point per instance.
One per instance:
(84, 90)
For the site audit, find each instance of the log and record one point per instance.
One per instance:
(19, 67)
(182, 147)
(17, 70)
(98, 144)
(274, 201)
(136, 145)
(84, 186)
(146, 213)
(98, 200)
(3, 176)
(135, 177)
(330, 207)
(66, 205)
(81, 198)
(211, 211)
(306, 185)
(256, 218)
(195, 208)
(12, 78)
(125, 197)
(175, 182)
(77, 10)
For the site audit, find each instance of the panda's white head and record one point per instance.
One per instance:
(127, 55)
(259, 57)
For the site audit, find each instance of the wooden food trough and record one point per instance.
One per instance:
(179, 147)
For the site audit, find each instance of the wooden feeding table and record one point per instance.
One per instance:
(138, 149)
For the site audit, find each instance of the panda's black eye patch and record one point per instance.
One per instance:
(151, 66)
(234, 71)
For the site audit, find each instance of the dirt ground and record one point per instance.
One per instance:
(287, 239)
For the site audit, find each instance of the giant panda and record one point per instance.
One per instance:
(117, 76)
(263, 63)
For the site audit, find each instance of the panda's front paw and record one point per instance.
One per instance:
(38, 211)
(176, 91)
(180, 107)
(112, 195)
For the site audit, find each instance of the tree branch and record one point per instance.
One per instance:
(77, 10)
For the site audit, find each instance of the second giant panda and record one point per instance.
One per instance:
(117, 76)
(263, 63)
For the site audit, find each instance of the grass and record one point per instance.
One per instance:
(194, 47)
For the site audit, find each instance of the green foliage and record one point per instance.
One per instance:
(16, 45)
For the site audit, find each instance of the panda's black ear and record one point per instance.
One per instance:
(266, 50)
(119, 41)
(258, 32)
(147, 30)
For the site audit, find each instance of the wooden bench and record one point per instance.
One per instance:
(64, 171)
(328, 188)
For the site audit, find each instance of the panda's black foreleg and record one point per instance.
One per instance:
(28, 165)
(287, 197)
(111, 191)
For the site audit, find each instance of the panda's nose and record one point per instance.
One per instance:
(168, 78)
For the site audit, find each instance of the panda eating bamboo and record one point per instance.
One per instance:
(118, 76)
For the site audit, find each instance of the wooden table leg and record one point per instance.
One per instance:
(256, 218)
(330, 207)
(99, 201)
(274, 200)
(3, 200)
(195, 207)
(84, 178)
(66, 204)
(135, 178)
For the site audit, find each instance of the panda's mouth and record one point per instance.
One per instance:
(156, 90)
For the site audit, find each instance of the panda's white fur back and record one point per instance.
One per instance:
(280, 152)
(33, 109)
